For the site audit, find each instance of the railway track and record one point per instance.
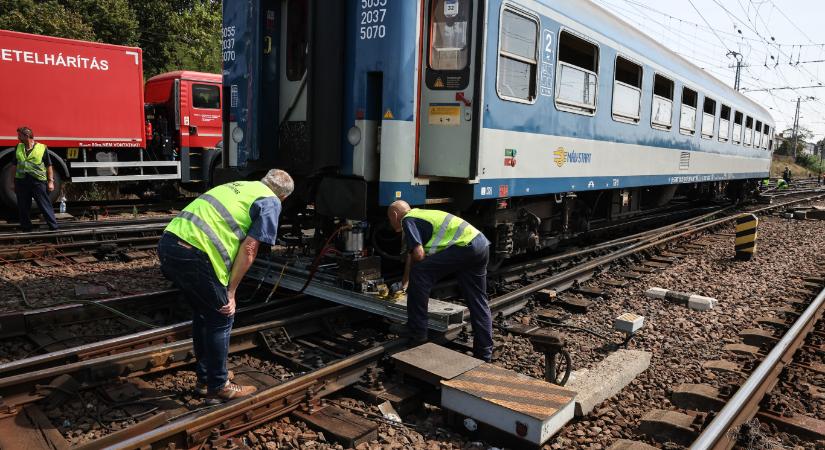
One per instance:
(146, 354)
(79, 245)
(714, 418)
(320, 347)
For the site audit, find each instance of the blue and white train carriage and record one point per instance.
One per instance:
(534, 118)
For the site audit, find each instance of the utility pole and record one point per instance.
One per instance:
(738, 57)
(796, 127)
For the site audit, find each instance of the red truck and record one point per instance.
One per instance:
(88, 103)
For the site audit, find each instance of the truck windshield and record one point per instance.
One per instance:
(449, 31)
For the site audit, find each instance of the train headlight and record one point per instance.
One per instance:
(237, 134)
(354, 136)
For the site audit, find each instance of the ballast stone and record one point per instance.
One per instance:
(610, 376)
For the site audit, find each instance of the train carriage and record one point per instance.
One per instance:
(533, 118)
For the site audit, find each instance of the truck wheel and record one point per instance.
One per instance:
(7, 195)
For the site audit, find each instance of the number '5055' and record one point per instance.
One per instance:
(372, 3)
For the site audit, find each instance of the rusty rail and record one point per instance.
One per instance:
(218, 425)
(743, 406)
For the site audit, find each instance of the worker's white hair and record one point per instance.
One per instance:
(279, 181)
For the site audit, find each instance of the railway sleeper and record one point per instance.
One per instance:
(706, 398)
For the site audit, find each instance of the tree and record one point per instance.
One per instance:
(113, 21)
(786, 146)
(198, 43)
(48, 18)
(174, 34)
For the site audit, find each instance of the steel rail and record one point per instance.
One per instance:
(18, 390)
(502, 302)
(133, 341)
(238, 417)
(744, 404)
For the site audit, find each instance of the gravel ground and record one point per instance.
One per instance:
(680, 339)
(45, 286)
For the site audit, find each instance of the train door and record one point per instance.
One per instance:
(203, 115)
(448, 75)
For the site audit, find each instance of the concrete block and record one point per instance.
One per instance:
(605, 380)
(701, 303)
(628, 323)
(655, 292)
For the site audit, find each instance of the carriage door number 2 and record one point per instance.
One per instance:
(546, 83)
(373, 13)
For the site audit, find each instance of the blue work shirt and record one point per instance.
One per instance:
(418, 232)
(264, 214)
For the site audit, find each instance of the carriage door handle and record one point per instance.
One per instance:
(459, 97)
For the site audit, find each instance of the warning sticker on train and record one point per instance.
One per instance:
(445, 114)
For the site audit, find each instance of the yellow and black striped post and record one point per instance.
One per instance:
(746, 236)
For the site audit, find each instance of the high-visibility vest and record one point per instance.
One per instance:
(218, 221)
(448, 230)
(32, 163)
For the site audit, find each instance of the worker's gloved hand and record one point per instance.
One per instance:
(397, 287)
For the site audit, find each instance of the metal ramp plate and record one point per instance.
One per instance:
(443, 316)
(530, 409)
(433, 363)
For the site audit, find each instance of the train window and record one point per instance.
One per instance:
(449, 34)
(206, 96)
(724, 123)
(662, 115)
(577, 74)
(708, 118)
(737, 127)
(517, 57)
(766, 136)
(687, 122)
(748, 131)
(627, 91)
(757, 135)
(296, 39)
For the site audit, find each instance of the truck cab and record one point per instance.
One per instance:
(183, 121)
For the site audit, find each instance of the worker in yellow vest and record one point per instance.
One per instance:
(440, 244)
(206, 251)
(33, 179)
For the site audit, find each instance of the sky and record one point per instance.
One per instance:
(782, 43)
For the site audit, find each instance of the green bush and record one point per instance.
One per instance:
(810, 162)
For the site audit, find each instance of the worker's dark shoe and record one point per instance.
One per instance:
(200, 388)
(230, 391)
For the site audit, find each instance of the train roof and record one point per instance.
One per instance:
(605, 23)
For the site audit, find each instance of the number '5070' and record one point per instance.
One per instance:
(373, 31)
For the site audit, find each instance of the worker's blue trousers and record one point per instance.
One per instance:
(191, 272)
(469, 265)
(27, 189)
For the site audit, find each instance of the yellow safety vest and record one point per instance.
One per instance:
(32, 163)
(448, 230)
(217, 222)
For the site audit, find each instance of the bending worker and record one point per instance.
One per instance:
(33, 178)
(206, 251)
(441, 244)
